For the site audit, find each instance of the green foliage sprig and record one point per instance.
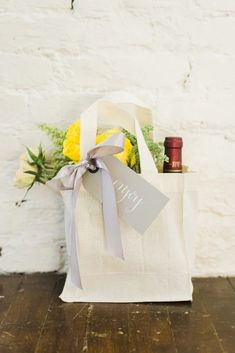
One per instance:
(46, 165)
(57, 136)
(44, 170)
(156, 148)
(72, 7)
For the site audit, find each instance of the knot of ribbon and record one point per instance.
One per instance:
(68, 182)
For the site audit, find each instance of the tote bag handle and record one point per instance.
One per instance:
(125, 115)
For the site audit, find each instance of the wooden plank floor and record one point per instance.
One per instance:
(34, 320)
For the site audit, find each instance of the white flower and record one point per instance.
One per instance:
(22, 179)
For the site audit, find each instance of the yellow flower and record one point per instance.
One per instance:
(72, 144)
(124, 155)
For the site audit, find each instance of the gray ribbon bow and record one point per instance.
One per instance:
(68, 181)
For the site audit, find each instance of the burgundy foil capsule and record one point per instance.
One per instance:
(173, 150)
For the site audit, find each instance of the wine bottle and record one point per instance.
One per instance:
(173, 150)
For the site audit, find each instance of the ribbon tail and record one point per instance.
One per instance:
(74, 265)
(70, 197)
(110, 214)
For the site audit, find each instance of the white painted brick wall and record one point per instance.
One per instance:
(177, 55)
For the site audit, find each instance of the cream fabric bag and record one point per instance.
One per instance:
(157, 264)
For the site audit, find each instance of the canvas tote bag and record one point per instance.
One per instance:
(157, 265)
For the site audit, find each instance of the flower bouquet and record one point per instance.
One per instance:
(39, 165)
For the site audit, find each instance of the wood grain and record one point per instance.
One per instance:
(9, 286)
(35, 320)
(218, 299)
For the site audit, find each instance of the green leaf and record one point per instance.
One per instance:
(31, 172)
(32, 163)
(41, 155)
(31, 155)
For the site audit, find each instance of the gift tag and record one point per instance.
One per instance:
(138, 202)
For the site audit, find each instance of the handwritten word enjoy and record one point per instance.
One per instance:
(126, 194)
